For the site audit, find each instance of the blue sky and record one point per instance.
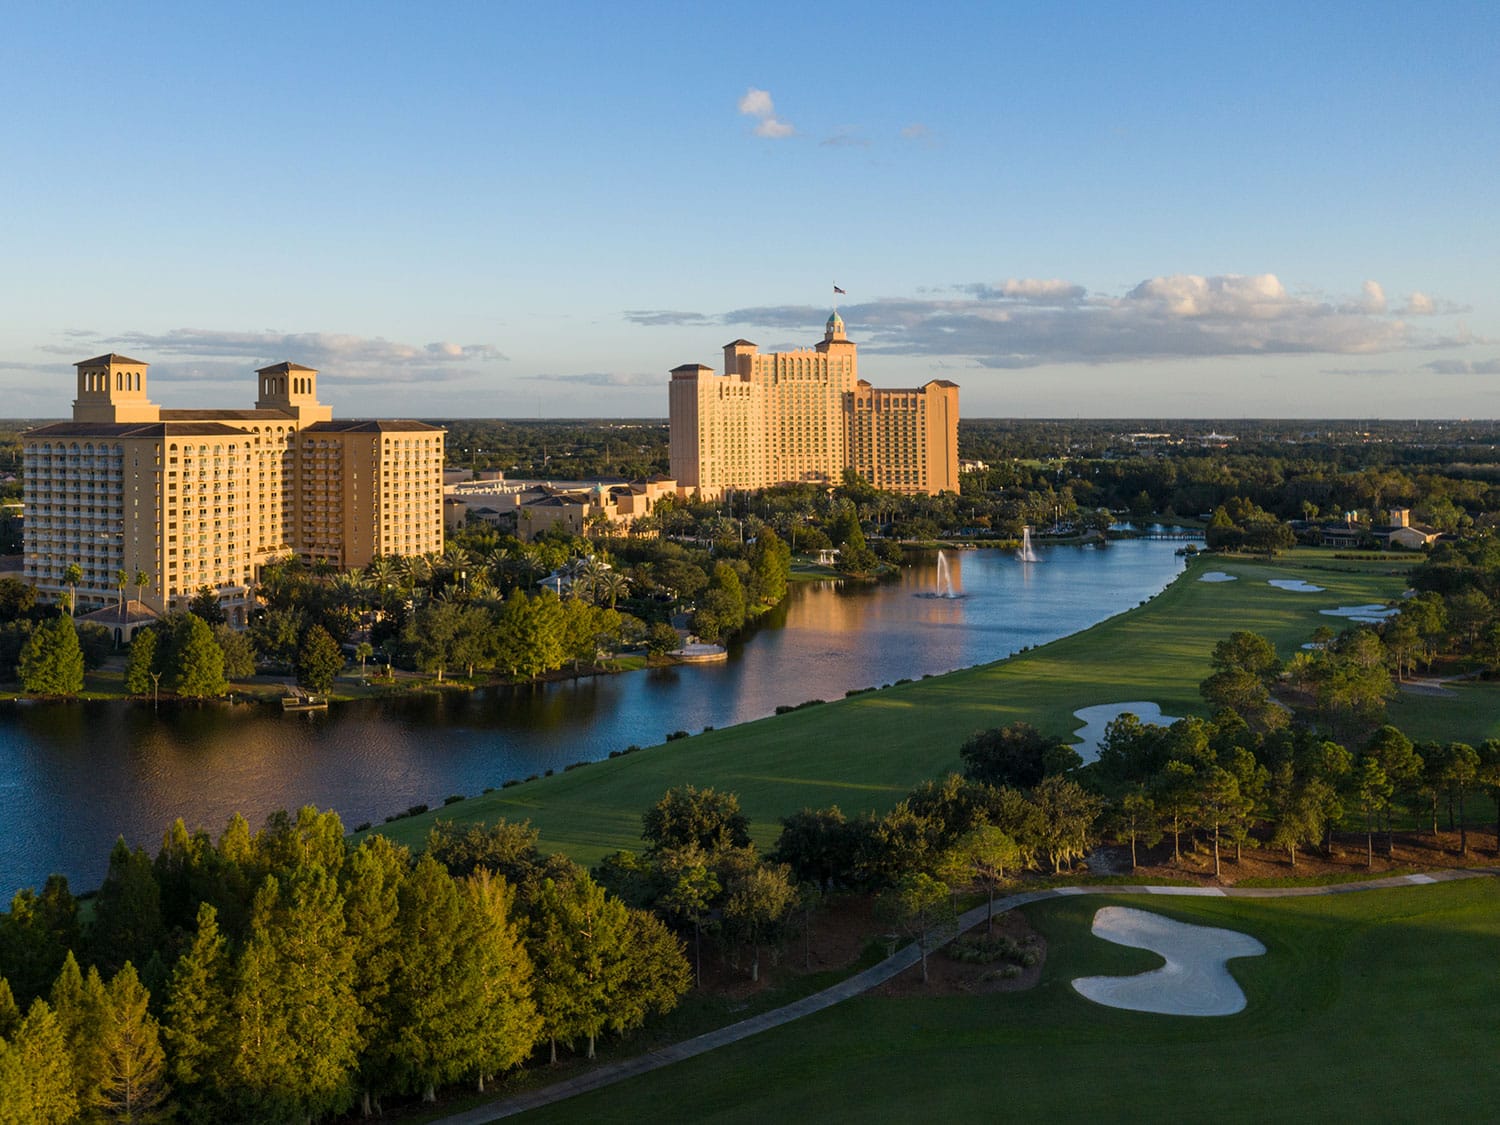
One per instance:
(513, 210)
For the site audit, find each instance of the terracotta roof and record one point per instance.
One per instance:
(741, 342)
(102, 360)
(133, 612)
(283, 368)
(691, 367)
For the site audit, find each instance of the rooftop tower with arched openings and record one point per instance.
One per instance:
(293, 388)
(112, 388)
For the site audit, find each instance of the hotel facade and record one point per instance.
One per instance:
(804, 417)
(204, 498)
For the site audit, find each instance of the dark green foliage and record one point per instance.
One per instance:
(190, 660)
(205, 605)
(1015, 755)
(319, 660)
(239, 652)
(17, 599)
(127, 912)
(294, 1013)
(51, 661)
(506, 849)
(704, 817)
(36, 936)
(140, 662)
(96, 643)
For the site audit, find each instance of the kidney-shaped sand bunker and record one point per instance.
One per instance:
(1195, 980)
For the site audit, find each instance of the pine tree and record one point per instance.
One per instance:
(198, 1027)
(437, 988)
(132, 1083)
(51, 659)
(373, 876)
(36, 1079)
(140, 663)
(193, 661)
(506, 1019)
(78, 1003)
(10, 1015)
(579, 949)
(294, 1010)
(127, 913)
(320, 660)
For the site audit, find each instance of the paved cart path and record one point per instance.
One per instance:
(892, 966)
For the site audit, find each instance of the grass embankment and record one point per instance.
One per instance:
(1379, 1006)
(868, 751)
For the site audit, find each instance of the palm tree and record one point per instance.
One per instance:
(415, 571)
(350, 590)
(381, 572)
(122, 579)
(613, 586)
(142, 580)
(72, 575)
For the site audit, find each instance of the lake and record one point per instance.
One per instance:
(74, 776)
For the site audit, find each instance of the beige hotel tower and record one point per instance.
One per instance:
(195, 498)
(804, 417)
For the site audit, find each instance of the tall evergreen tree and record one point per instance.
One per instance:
(319, 660)
(140, 662)
(51, 659)
(578, 945)
(36, 1077)
(293, 1007)
(506, 1021)
(198, 1027)
(10, 1015)
(131, 1085)
(127, 912)
(193, 662)
(373, 877)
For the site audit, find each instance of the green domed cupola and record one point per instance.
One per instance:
(834, 329)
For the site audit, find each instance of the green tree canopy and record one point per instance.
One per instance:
(51, 659)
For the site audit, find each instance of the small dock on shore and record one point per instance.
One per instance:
(297, 699)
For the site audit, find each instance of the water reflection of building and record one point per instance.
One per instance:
(202, 498)
(804, 417)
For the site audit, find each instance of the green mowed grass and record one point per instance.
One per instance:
(1370, 1006)
(866, 752)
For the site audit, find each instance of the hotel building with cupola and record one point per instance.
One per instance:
(204, 498)
(804, 417)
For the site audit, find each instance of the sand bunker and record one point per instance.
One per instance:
(1295, 585)
(1368, 614)
(1096, 718)
(1193, 982)
(1217, 576)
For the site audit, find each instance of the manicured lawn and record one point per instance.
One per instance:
(1372, 1006)
(1471, 714)
(866, 752)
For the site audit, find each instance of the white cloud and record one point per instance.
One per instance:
(1030, 322)
(1374, 297)
(201, 354)
(758, 104)
(1420, 304)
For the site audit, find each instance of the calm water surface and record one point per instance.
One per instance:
(74, 776)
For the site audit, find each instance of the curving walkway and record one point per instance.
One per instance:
(898, 962)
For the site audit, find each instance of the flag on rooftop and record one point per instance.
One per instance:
(836, 289)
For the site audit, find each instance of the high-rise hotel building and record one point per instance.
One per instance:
(195, 498)
(804, 417)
